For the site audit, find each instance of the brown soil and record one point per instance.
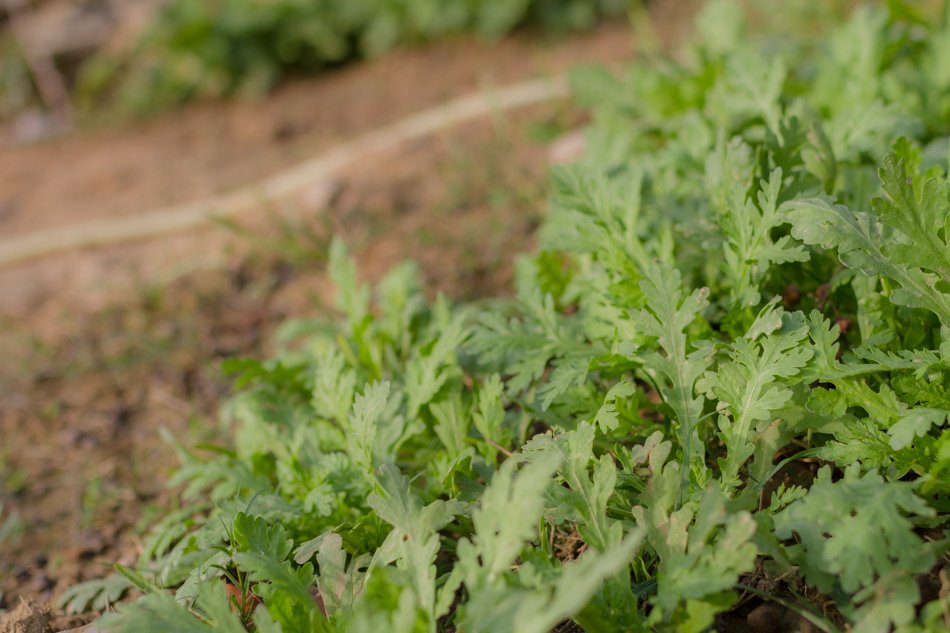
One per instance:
(104, 347)
(213, 147)
(26, 618)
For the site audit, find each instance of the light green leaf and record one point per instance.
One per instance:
(607, 417)
(676, 370)
(864, 245)
(505, 518)
(916, 423)
(415, 535)
(866, 536)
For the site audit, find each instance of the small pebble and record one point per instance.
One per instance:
(42, 583)
(90, 543)
(766, 618)
(568, 148)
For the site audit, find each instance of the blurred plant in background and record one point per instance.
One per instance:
(16, 86)
(224, 47)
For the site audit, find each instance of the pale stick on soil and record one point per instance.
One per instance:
(293, 180)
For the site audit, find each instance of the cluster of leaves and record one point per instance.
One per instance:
(726, 373)
(221, 47)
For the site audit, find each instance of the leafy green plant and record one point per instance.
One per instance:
(725, 374)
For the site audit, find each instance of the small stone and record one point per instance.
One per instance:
(35, 126)
(90, 543)
(568, 148)
(70, 437)
(791, 295)
(765, 618)
(804, 626)
(319, 195)
(41, 582)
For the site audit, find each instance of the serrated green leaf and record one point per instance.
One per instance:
(864, 538)
(917, 423)
(750, 389)
(95, 595)
(160, 613)
(676, 370)
(864, 245)
(918, 208)
(607, 417)
(505, 518)
(415, 536)
(364, 422)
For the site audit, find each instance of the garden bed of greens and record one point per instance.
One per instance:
(724, 383)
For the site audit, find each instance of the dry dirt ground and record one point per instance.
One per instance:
(103, 347)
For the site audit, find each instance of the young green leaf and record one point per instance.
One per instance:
(506, 517)
(749, 387)
(607, 417)
(414, 541)
(866, 536)
(864, 245)
(586, 493)
(161, 613)
(676, 370)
